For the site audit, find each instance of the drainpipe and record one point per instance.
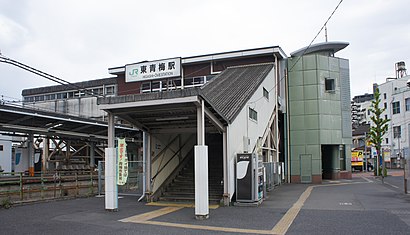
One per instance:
(287, 147)
(277, 107)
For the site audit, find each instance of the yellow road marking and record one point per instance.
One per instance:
(150, 215)
(283, 225)
(280, 228)
(170, 204)
(209, 228)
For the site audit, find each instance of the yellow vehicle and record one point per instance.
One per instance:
(357, 160)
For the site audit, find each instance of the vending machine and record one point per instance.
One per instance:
(249, 178)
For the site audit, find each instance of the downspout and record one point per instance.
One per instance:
(287, 147)
(277, 107)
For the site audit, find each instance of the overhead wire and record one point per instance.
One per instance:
(45, 75)
(303, 53)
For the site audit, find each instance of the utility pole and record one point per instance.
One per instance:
(404, 175)
(365, 151)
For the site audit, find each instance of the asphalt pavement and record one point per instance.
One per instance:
(363, 205)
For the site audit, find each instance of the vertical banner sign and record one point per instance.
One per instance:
(122, 172)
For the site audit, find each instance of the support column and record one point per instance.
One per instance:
(201, 168)
(30, 149)
(46, 153)
(147, 152)
(226, 196)
(111, 190)
(92, 154)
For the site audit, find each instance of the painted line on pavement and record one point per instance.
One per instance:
(186, 205)
(394, 186)
(280, 228)
(150, 215)
(209, 228)
(368, 180)
(283, 225)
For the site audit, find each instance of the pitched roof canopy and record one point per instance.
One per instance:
(225, 96)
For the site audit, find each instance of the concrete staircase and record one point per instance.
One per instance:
(182, 188)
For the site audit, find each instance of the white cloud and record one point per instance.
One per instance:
(12, 34)
(80, 39)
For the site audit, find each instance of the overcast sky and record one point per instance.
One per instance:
(78, 40)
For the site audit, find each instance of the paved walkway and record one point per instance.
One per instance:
(359, 206)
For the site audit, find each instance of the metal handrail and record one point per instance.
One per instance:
(175, 154)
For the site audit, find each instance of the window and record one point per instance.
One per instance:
(396, 107)
(146, 87)
(385, 105)
(109, 90)
(156, 85)
(407, 102)
(384, 95)
(253, 114)
(387, 140)
(368, 112)
(385, 116)
(62, 95)
(330, 84)
(1, 147)
(266, 93)
(396, 132)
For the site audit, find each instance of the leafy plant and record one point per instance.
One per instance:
(6, 203)
(378, 127)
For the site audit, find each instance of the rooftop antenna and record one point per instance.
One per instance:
(326, 32)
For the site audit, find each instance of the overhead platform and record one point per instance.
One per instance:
(18, 120)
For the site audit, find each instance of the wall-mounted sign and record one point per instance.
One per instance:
(153, 70)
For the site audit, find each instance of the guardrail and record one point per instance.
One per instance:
(17, 187)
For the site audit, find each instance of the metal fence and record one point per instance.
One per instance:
(134, 184)
(274, 174)
(16, 187)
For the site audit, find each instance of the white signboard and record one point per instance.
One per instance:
(153, 70)
(122, 172)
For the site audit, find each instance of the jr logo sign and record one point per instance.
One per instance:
(133, 72)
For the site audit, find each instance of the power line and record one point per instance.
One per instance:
(304, 51)
(44, 75)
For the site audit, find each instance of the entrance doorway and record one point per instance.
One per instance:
(330, 162)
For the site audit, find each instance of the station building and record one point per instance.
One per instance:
(292, 112)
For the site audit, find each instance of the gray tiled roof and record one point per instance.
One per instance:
(228, 92)
(72, 86)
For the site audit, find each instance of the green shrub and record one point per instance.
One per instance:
(6, 203)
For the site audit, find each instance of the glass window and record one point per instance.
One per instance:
(384, 95)
(329, 84)
(407, 101)
(396, 107)
(253, 114)
(146, 87)
(188, 81)
(266, 93)
(385, 105)
(396, 131)
(387, 140)
(109, 90)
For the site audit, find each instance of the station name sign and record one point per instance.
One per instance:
(153, 70)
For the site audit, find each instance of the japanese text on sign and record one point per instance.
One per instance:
(153, 70)
(122, 172)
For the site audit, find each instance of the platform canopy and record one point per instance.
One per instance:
(20, 121)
